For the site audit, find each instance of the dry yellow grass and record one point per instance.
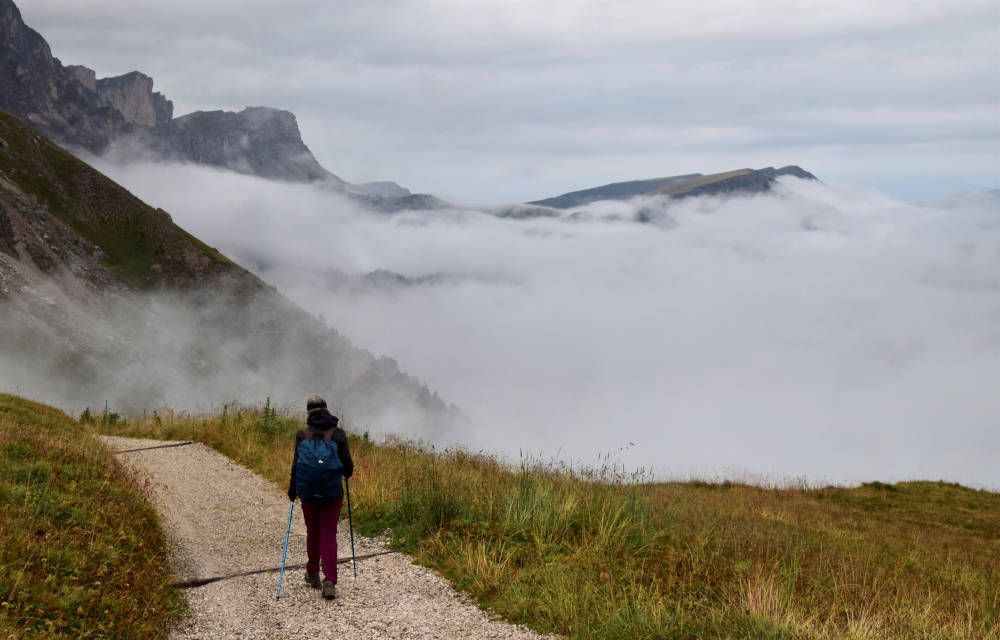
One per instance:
(597, 555)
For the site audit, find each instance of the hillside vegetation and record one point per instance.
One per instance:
(599, 555)
(141, 245)
(83, 555)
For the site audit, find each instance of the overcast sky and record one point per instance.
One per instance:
(512, 100)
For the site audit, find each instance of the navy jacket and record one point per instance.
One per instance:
(321, 422)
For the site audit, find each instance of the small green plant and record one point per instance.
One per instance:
(268, 420)
(109, 418)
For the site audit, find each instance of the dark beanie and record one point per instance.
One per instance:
(315, 403)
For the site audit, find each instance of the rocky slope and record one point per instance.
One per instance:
(132, 95)
(103, 297)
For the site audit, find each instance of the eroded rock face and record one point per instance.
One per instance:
(132, 95)
(258, 140)
(56, 100)
(124, 116)
(74, 107)
(30, 75)
(83, 75)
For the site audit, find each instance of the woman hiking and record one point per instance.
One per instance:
(322, 458)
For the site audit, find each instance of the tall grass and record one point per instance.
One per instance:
(601, 555)
(82, 552)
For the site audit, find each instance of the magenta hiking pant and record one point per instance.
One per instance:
(321, 535)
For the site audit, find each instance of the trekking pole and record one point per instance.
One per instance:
(350, 525)
(284, 554)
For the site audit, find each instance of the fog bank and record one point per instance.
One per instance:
(817, 332)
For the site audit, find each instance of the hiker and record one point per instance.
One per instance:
(321, 459)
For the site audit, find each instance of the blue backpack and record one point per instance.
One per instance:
(318, 469)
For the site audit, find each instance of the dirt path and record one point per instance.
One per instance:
(223, 519)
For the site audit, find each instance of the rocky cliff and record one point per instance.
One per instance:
(58, 101)
(133, 96)
(258, 140)
(73, 107)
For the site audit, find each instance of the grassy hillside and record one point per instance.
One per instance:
(83, 555)
(701, 181)
(141, 245)
(595, 555)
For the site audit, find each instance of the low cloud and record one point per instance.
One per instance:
(818, 332)
(75, 347)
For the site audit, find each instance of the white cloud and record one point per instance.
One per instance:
(821, 332)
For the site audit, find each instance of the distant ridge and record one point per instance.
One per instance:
(692, 184)
(613, 191)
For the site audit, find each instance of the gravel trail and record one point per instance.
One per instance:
(222, 519)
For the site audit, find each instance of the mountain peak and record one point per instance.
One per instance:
(74, 107)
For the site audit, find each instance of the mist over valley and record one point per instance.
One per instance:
(526, 320)
(815, 331)
(749, 323)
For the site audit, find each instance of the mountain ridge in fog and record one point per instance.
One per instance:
(813, 331)
(681, 186)
(122, 116)
(751, 320)
(104, 298)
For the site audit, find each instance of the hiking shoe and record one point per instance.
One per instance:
(312, 579)
(329, 590)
